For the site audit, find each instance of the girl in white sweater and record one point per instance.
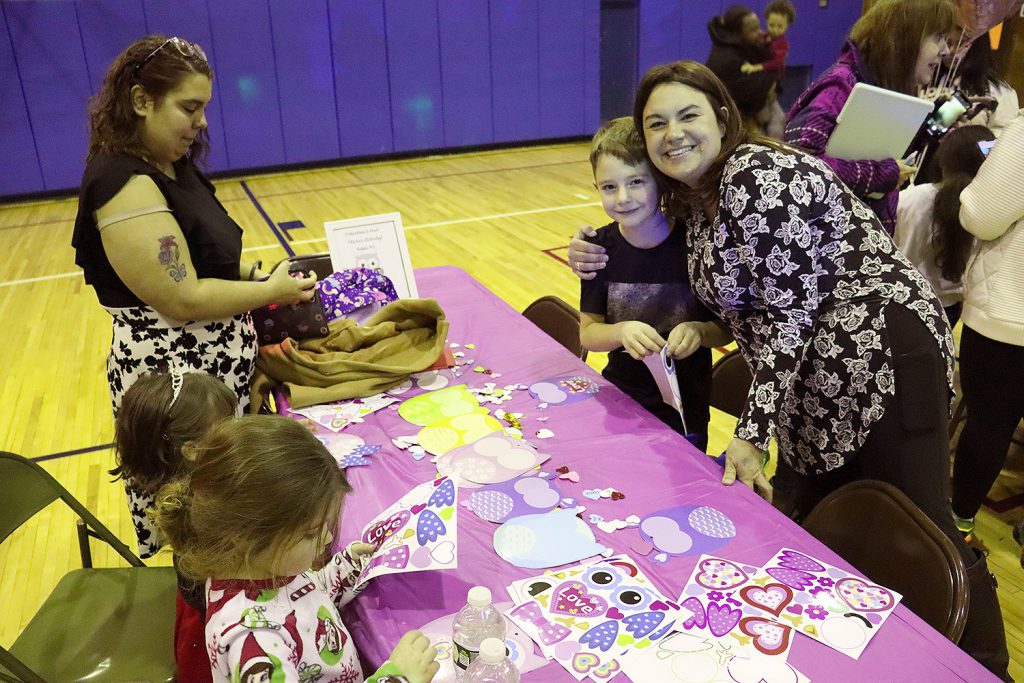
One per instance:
(992, 343)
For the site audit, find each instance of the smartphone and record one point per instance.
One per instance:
(986, 146)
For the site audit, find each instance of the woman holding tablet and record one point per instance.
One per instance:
(898, 45)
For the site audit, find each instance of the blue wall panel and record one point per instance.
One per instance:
(189, 19)
(305, 78)
(248, 90)
(361, 76)
(658, 42)
(48, 46)
(694, 41)
(414, 70)
(19, 164)
(464, 33)
(592, 68)
(108, 27)
(562, 61)
(514, 69)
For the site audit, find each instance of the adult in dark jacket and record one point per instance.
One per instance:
(736, 39)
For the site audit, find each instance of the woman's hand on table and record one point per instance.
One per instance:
(287, 288)
(584, 257)
(745, 461)
(639, 339)
(415, 657)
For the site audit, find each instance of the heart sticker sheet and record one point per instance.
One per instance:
(834, 607)
(418, 532)
(721, 600)
(593, 617)
(337, 416)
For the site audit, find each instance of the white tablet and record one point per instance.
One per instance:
(876, 124)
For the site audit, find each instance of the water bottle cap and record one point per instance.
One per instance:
(492, 650)
(479, 596)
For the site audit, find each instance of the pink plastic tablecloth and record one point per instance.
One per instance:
(610, 442)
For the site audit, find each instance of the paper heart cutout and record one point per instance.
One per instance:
(769, 638)
(794, 578)
(592, 494)
(409, 533)
(574, 477)
(810, 630)
(719, 574)
(417, 509)
(722, 619)
(624, 640)
(572, 599)
(795, 609)
(791, 559)
(643, 623)
(614, 613)
(606, 670)
(662, 605)
(697, 617)
(583, 662)
(443, 552)
(660, 558)
(773, 598)
(446, 514)
(601, 637)
(863, 596)
(566, 649)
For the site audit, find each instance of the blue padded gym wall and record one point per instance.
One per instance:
(305, 81)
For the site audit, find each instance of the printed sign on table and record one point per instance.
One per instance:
(373, 242)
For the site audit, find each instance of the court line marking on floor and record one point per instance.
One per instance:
(437, 224)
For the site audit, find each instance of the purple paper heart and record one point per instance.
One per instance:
(791, 559)
(794, 578)
(795, 609)
(614, 613)
(722, 619)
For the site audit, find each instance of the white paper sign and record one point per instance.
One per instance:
(374, 242)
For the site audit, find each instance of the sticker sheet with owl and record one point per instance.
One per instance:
(718, 604)
(593, 617)
(837, 608)
(416, 533)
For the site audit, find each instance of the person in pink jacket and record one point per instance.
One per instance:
(898, 45)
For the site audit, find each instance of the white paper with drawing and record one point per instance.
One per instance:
(374, 242)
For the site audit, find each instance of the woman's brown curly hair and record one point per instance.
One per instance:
(113, 123)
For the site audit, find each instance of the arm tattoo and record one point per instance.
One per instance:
(170, 258)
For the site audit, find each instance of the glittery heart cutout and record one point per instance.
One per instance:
(719, 574)
(863, 596)
(573, 600)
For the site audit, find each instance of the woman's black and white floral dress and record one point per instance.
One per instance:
(801, 270)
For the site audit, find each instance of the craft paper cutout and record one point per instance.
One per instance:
(564, 390)
(546, 540)
(688, 529)
(493, 458)
(527, 495)
(519, 646)
(425, 409)
(449, 433)
(592, 617)
(693, 658)
(722, 603)
(663, 369)
(337, 416)
(418, 532)
(830, 605)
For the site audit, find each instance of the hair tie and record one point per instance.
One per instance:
(177, 380)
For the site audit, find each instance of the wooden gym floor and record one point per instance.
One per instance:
(503, 216)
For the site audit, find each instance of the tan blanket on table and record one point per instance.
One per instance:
(354, 361)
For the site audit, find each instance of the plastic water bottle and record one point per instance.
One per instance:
(492, 666)
(474, 623)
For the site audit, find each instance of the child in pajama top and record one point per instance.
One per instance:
(255, 515)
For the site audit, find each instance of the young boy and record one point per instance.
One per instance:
(643, 296)
(778, 15)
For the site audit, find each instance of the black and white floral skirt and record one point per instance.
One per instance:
(145, 341)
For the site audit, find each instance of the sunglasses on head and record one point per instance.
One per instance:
(184, 48)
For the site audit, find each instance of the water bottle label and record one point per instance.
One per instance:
(464, 656)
